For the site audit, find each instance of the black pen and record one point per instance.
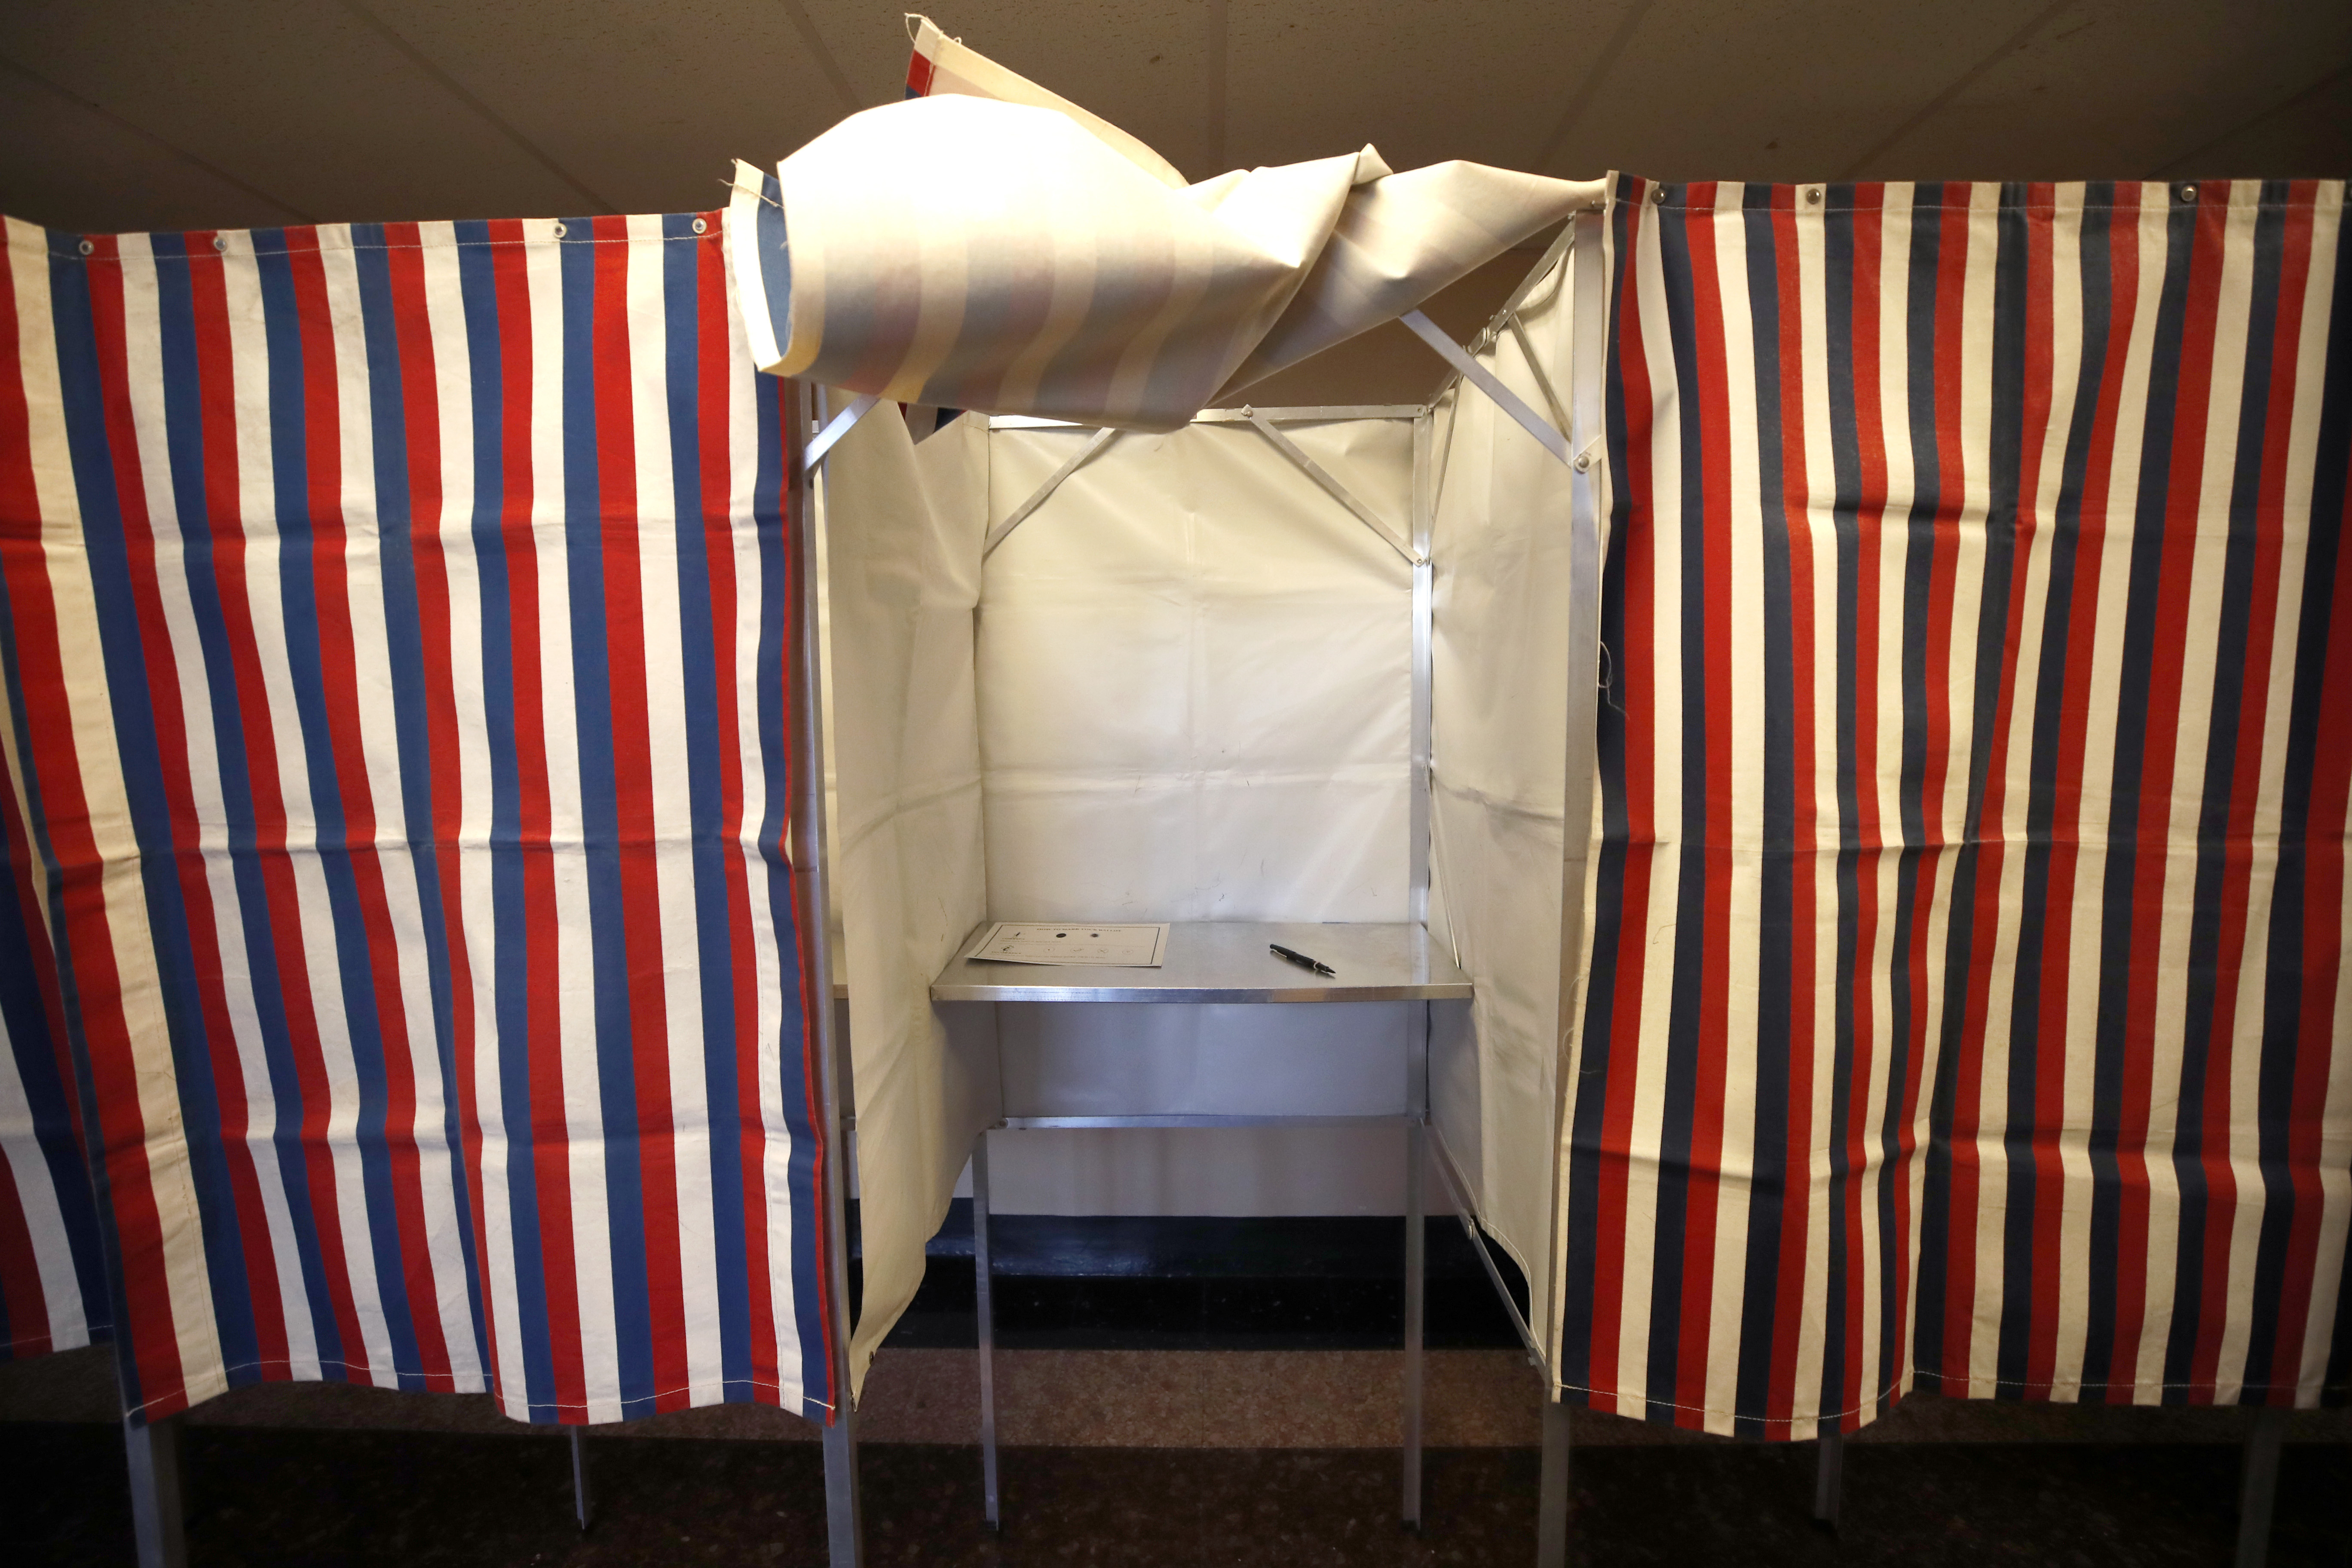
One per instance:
(1299, 959)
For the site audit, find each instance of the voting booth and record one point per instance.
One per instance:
(1817, 764)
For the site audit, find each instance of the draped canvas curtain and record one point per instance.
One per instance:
(1966, 999)
(394, 633)
(52, 1273)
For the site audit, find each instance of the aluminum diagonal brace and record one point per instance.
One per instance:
(1323, 477)
(1020, 514)
(1478, 376)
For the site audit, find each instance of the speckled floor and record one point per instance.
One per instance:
(268, 1497)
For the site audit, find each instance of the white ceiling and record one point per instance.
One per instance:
(229, 113)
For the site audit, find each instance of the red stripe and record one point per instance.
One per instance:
(53, 759)
(1869, 236)
(551, 1135)
(421, 431)
(919, 71)
(1708, 406)
(624, 635)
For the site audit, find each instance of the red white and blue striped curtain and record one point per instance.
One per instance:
(1967, 996)
(395, 633)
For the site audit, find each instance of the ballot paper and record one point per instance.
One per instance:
(1106, 946)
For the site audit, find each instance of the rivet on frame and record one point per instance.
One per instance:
(558, 231)
(1584, 462)
(2189, 192)
(701, 225)
(87, 247)
(1658, 195)
(220, 243)
(1813, 195)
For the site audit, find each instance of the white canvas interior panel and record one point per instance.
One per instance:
(1195, 679)
(903, 531)
(1498, 693)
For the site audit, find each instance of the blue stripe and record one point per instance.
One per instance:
(586, 535)
(509, 1046)
(772, 256)
(706, 687)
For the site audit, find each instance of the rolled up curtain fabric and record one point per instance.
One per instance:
(985, 244)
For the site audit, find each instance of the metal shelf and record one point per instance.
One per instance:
(1227, 960)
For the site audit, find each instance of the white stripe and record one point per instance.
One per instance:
(1747, 699)
(658, 526)
(1882, 770)
(477, 934)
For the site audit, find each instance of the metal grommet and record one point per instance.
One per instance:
(87, 247)
(220, 243)
(2189, 192)
(702, 226)
(1813, 195)
(1658, 195)
(558, 231)
(1583, 462)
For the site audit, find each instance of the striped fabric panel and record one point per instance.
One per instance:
(52, 1276)
(1970, 909)
(396, 624)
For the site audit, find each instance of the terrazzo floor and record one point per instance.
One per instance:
(264, 1496)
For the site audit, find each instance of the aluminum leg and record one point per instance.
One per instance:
(583, 1505)
(1551, 1498)
(844, 1533)
(1416, 1238)
(1828, 1477)
(156, 1521)
(2258, 1485)
(985, 1312)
